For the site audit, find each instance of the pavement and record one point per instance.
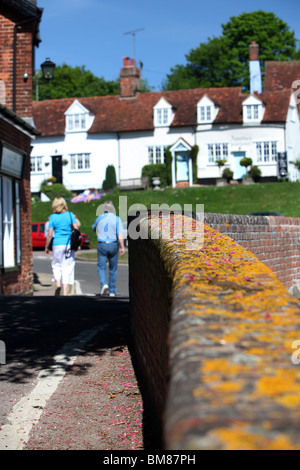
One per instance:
(84, 393)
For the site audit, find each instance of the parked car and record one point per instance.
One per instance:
(39, 239)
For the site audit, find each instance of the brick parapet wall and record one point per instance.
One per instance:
(274, 240)
(213, 330)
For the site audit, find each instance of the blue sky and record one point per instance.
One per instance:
(90, 33)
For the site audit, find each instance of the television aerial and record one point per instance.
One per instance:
(133, 33)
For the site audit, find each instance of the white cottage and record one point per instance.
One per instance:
(81, 137)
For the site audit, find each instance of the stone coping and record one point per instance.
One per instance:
(234, 378)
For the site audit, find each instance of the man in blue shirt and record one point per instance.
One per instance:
(109, 229)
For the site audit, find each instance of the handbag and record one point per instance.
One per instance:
(75, 237)
(50, 245)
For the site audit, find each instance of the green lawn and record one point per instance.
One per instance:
(234, 199)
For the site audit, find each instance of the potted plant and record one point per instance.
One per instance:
(51, 180)
(246, 162)
(227, 175)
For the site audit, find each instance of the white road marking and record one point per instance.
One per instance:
(15, 434)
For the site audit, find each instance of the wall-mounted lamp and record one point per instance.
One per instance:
(48, 69)
(25, 77)
(48, 73)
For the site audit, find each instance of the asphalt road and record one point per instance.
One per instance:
(86, 277)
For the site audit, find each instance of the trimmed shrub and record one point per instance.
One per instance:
(55, 190)
(110, 181)
(156, 169)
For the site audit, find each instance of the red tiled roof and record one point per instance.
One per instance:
(281, 75)
(113, 114)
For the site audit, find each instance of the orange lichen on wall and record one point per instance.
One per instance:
(243, 344)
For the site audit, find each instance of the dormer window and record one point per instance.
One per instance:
(163, 113)
(252, 110)
(76, 122)
(78, 118)
(206, 111)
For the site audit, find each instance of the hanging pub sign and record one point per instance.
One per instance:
(282, 165)
(11, 161)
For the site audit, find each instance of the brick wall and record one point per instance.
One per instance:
(274, 240)
(23, 65)
(213, 331)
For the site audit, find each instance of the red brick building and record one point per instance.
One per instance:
(19, 34)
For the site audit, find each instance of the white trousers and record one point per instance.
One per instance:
(63, 267)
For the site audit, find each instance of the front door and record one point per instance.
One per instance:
(57, 168)
(182, 163)
(239, 170)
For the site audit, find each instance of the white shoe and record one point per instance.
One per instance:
(112, 294)
(104, 290)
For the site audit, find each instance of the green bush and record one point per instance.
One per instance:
(255, 173)
(227, 174)
(110, 181)
(156, 169)
(55, 190)
(246, 162)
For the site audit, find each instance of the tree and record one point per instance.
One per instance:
(224, 61)
(71, 82)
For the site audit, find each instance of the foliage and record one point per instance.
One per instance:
(227, 174)
(224, 61)
(246, 162)
(255, 173)
(297, 164)
(71, 82)
(110, 181)
(194, 154)
(76, 82)
(55, 190)
(168, 163)
(156, 169)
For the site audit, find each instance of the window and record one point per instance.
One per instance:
(156, 154)
(205, 113)
(217, 152)
(76, 122)
(162, 117)
(36, 164)
(252, 112)
(80, 161)
(292, 111)
(10, 252)
(266, 152)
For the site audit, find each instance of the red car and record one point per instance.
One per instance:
(39, 239)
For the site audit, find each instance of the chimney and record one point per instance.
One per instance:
(254, 68)
(129, 78)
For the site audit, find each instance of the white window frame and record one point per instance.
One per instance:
(80, 162)
(217, 151)
(266, 151)
(8, 223)
(205, 114)
(156, 154)
(76, 122)
(36, 164)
